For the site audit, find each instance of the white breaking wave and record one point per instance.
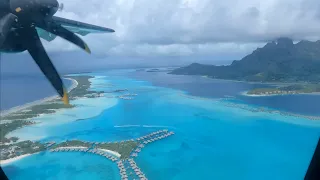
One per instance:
(124, 126)
(144, 126)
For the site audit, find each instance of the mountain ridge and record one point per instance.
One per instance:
(277, 61)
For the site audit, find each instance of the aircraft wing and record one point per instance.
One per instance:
(73, 26)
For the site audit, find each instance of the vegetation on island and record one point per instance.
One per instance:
(291, 89)
(11, 126)
(20, 148)
(278, 61)
(82, 89)
(73, 143)
(21, 118)
(123, 148)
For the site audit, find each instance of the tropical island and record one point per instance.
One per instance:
(23, 116)
(278, 62)
(291, 89)
(19, 117)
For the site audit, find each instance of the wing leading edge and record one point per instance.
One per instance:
(73, 26)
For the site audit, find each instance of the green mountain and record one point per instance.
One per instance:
(277, 61)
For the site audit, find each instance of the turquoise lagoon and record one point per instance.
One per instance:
(211, 141)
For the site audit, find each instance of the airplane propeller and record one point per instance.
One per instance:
(25, 16)
(5, 25)
(61, 6)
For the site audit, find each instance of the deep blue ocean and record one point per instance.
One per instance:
(211, 141)
(20, 89)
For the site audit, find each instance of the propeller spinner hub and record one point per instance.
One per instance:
(34, 8)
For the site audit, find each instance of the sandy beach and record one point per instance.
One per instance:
(7, 161)
(111, 152)
(27, 105)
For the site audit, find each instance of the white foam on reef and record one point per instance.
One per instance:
(84, 108)
(125, 126)
(144, 126)
(156, 126)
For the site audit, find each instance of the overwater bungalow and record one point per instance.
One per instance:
(141, 146)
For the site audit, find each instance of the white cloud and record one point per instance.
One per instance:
(190, 27)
